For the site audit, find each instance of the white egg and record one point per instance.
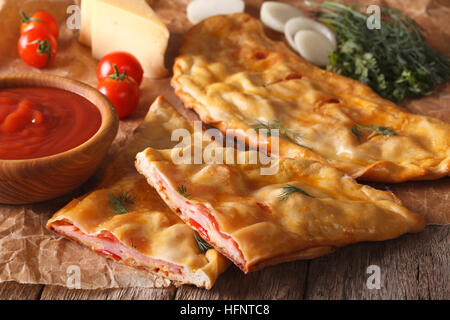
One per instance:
(302, 23)
(275, 14)
(314, 47)
(199, 10)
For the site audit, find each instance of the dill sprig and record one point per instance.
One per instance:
(132, 244)
(384, 131)
(289, 189)
(395, 61)
(289, 135)
(119, 203)
(202, 244)
(183, 191)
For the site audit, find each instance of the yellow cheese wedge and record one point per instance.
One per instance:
(131, 26)
(86, 14)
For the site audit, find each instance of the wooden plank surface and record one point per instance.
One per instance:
(61, 293)
(412, 267)
(415, 266)
(11, 290)
(285, 281)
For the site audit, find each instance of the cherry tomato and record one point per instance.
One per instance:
(125, 62)
(37, 47)
(40, 19)
(122, 91)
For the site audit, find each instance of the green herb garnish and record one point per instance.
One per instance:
(202, 244)
(132, 244)
(119, 203)
(289, 135)
(395, 61)
(183, 191)
(384, 131)
(289, 189)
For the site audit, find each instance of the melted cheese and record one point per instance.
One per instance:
(232, 75)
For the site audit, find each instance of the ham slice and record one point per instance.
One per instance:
(304, 210)
(145, 233)
(196, 216)
(107, 244)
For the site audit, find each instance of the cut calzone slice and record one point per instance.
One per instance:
(303, 210)
(125, 219)
(237, 79)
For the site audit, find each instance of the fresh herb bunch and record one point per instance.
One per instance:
(395, 61)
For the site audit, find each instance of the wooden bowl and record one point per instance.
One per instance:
(35, 180)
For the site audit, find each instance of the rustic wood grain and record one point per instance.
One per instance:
(428, 198)
(284, 281)
(61, 293)
(35, 180)
(414, 266)
(11, 290)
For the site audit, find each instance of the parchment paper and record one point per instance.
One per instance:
(31, 254)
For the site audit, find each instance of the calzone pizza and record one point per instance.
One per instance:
(125, 219)
(237, 79)
(302, 210)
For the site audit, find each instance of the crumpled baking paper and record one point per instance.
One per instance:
(31, 254)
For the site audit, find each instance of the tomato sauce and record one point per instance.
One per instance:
(109, 254)
(37, 122)
(199, 229)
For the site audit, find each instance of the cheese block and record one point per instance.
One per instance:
(131, 26)
(86, 14)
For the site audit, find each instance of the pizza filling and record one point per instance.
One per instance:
(108, 245)
(199, 218)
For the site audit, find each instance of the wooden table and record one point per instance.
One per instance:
(415, 266)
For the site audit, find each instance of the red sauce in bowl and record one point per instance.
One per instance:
(37, 122)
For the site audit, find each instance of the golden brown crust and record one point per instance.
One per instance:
(232, 75)
(149, 225)
(306, 254)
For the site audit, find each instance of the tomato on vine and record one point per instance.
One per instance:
(121, 90)
(40, 19)
(124, 61)
(37, 47)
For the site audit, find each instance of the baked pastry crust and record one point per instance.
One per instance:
(149, 236)
(244, 216)
(233, 76)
